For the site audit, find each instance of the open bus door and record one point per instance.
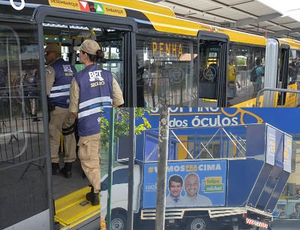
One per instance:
(116, 37)
(23, 153)
(212, 67)
(283, 80)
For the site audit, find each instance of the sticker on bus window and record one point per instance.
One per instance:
(85, 6)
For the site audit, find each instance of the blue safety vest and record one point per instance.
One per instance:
(60, 91)
(96, 91)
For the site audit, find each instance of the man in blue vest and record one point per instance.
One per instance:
(92, 88)
(59, 75)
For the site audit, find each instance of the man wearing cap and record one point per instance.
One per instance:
(59, 75)
(91, 89)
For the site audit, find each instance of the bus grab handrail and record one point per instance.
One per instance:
(274, 90)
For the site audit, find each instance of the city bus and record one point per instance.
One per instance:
(153, 55)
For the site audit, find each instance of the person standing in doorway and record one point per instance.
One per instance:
(59, 75)
(91, 89)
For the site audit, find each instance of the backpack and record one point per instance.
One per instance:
(253, 75)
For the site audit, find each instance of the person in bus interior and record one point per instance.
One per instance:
(91, 89)
(260, 72)
(232, 81)
(293, 70)
(59, 75)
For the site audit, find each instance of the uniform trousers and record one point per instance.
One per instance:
(89, 155)
(61, 118)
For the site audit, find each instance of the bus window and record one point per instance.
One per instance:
(243, 60)
(110, 40)
(209, 70)
(22, 150)
(113, 57)
(212, 67)
(165, 69)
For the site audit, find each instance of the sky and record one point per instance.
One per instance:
(289, 8)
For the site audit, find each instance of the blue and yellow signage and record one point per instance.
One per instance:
(190, 184)
(208, 117)
(285, 119)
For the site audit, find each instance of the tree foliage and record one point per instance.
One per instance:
(122, 124)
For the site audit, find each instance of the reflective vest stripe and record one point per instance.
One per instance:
(94, 101)
(52, 95)
(89, 112)
(60, 87)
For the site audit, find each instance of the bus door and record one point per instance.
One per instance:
(212, 69)
(116, 38)
(23, 174)
(114, 35)
(283, 78)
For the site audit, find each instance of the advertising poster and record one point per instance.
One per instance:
(287, 161)
(279, 149)
(271, 146)
(189, 184)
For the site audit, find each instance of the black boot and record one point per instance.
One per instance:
(55, 168)
(67, 170)
(93, 197)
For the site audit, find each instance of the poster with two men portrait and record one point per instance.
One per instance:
(189, 184)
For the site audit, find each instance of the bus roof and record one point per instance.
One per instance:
(159, 17)
(165, 23)
(294, 44)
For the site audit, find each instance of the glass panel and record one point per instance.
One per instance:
(23, 178)
(242, 60)
(209, 70)
(71, 34)
(20, 92)
(165, 69)
(293, 65)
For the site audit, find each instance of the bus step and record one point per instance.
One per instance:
(73, 209)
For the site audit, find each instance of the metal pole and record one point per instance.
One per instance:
(132, 150)
(110, 164)
(162, 168)
(273, 90)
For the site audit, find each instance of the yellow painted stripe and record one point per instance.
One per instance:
(180, 26)
(66, 4)
(74, 209)
(285, 197)
(141, 6)
(294, 44)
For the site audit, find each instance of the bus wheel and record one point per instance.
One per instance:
(118, 222)
(199, 223)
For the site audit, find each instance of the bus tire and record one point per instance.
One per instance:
(199, 223)
(118, 222)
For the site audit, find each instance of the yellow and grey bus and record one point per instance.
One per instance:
(152, 53)
(154, 56)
